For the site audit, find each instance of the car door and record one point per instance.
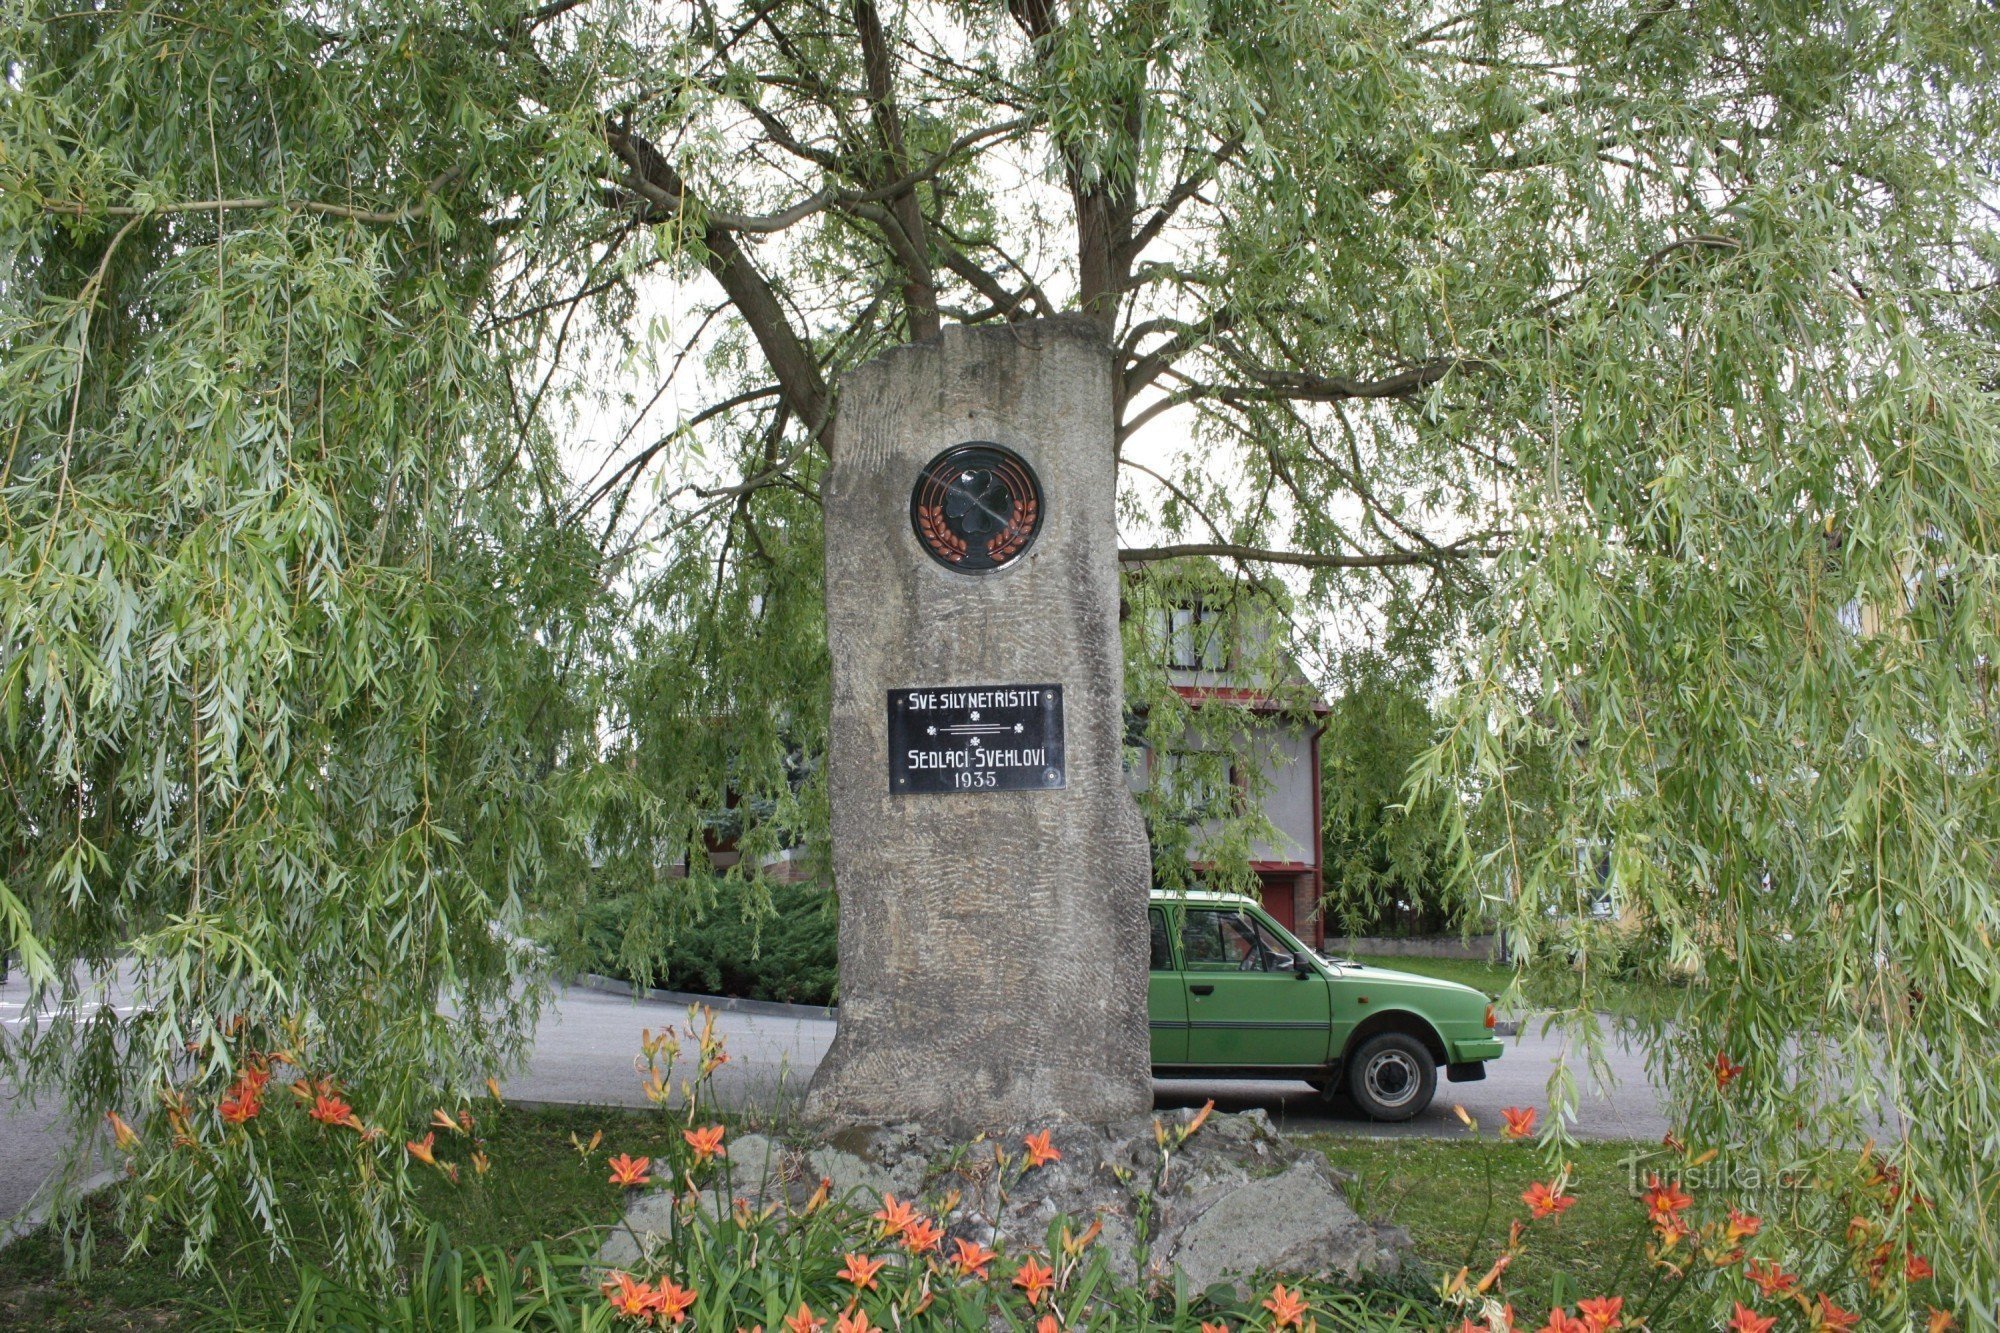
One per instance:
(1166, 997)
(1247, 1002)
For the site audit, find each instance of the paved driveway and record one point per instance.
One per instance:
(584, 1050)
(585, 1046)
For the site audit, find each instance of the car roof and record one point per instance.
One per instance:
(1202, 896)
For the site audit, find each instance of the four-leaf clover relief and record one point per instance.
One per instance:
(976, 507)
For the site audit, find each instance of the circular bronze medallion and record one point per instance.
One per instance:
(976, 507)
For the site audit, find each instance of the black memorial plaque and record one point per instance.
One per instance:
(945, 738)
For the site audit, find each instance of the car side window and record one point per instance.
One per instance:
(1163, 956)
(1223, 941)
(1213, 941)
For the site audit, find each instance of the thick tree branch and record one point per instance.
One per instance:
(1149, 367)
(1304, 387)
(791, 361)
(1190, 186)
(919, 286)
(1465, 550)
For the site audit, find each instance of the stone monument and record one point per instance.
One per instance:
(991, 864)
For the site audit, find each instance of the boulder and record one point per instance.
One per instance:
(1233, 1200)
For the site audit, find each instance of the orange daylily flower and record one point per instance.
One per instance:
(706, 1142)
(1520, 1121)
(972, 1258)
(1287, 1308)
(1916, 1268)
(630, 1170)
(819, 1197)
(854, 1321)
(421, 1150)
(1747, 1320)
(671, 1302)
(481, 1163)
(1200, 1118)
(861, 1270)
(1207, 1327)
(1727, 1071)
(1075, 1245)
(803, 1321)
(330, 1110)
(1940, 1322)
(1544, 1202)
(1601, 1314)
(922, 1236)
(1741, 1226)
(493, 1089)
(1034, 1279)
(1047, 1324)
(1771, 1279)
(1827, 1315)
(1040, 1151)
(126, 1137)
(1561, 1322)
(634, 1299)
(442, 1119)
(1665, 1201)
(895, 1217)
(243, 1101)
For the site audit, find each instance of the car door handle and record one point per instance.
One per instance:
(1202, 990)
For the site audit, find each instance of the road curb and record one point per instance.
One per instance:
(720, 1003)
(40, 1208)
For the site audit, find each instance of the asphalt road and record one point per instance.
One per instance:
(587, 1040)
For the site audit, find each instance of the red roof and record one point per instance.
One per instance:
(1255, 700)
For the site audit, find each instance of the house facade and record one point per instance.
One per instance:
(1274, 732)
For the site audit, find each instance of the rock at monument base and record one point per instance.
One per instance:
(1234, 1200)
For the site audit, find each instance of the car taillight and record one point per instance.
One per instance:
(1492, 1019)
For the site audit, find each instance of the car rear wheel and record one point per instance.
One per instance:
(1392, 1077)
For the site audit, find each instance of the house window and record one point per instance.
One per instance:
(1191, 637)
(1194, 781)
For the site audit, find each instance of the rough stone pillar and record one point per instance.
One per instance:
(993, 946)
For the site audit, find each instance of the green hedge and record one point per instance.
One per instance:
(727, 940)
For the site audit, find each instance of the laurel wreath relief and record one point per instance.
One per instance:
(930, 521)
(1012, 537)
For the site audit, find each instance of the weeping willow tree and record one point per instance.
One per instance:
(413, 417)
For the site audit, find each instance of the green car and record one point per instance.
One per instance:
(1234, 995)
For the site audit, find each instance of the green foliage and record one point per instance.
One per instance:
(780, 948)
(282, 647)
(1389, 861)
(1622, 374)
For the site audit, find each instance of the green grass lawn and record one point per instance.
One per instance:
(537, 1190)
(1552, 989)
(1456, 1199)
